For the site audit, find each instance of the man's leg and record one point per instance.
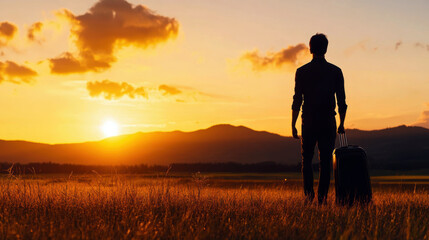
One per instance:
(326, 145)
(308, 142)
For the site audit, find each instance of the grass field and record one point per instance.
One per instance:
(215, 206)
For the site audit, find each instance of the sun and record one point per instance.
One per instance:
(110, 128)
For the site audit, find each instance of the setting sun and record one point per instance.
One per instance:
(110, 128)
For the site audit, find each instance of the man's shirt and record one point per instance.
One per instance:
(317, 83)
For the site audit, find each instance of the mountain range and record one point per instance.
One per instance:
(402, 147)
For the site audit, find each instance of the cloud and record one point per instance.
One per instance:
(15, 73)
(423, 121)
(397, 45)
(34, 29)
(7, 30)
(108, 26)
(364, 46)
(287, 56)
(168, 90)
(113, 90)
(67, 63)
(110, 90)
(421, 45)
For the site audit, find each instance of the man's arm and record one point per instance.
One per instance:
(294, 118)
(341, 100)
(341, 126)
(296, 105)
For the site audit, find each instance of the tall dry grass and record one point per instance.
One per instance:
(117, 207)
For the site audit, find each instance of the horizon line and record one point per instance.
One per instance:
(177, 130)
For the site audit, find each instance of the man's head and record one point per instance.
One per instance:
(318, 44)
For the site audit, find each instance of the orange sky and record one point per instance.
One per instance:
(68, 67)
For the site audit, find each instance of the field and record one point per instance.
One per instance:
(198, 206)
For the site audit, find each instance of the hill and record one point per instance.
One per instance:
(393, 148)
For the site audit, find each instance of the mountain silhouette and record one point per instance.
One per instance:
(401, 147)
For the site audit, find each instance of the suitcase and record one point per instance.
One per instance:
(352, 182)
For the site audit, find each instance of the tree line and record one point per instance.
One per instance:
(57, 168)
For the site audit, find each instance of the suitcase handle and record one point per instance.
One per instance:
(342, 140)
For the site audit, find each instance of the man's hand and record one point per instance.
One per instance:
(295, 132)
(341, 129)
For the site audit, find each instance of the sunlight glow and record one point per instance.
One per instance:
(110, 128)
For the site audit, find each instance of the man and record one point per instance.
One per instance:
(317, 83)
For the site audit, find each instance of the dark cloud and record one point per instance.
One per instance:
(67, 63)
(109, 25)
(15, 73)
(168, 90)
(35, 28)
(397, 45)
(7, 30)
(113, 90)
(288, 55)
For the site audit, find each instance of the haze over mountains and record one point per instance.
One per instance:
(401, 147)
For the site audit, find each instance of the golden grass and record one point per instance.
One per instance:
(118, 207)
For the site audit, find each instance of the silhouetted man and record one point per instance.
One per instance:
(317, 83)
